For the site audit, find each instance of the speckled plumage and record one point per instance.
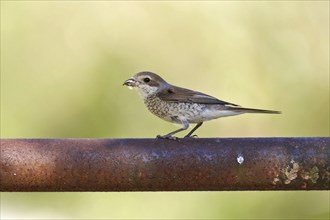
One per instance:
(172, 111)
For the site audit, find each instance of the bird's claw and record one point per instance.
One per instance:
(170, 137)
(192, 136)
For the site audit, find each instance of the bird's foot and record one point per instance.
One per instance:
(191, 137)
(170, 137)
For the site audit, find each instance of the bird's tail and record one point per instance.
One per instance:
(252, 110)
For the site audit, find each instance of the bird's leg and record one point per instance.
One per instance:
(194, 129)
(170, 135)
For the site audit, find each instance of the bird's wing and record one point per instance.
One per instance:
(177, 94)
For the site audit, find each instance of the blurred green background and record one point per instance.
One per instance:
(63, 65)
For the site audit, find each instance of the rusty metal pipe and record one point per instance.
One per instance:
(165, 165)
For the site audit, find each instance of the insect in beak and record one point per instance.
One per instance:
(130, 83)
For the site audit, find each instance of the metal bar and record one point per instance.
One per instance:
(165, 165)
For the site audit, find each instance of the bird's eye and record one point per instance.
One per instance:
(146, 80)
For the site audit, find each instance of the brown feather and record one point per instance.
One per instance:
(253, 110)
(178, 94)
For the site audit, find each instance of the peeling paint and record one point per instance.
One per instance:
(276, 180)
(326, 174)
(291, 173)
(313, 175)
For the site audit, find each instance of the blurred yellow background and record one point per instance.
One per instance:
(63, 65)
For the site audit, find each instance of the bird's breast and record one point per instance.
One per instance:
(175, 111)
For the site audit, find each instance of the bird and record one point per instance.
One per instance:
(182, 106)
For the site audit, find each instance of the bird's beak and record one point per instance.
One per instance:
(130, 82)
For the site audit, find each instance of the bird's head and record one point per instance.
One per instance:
(146, 83)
